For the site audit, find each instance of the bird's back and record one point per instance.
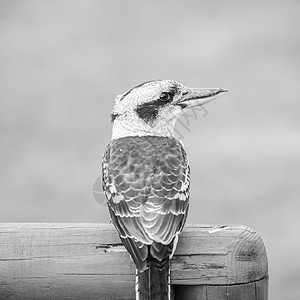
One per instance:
(146, 180)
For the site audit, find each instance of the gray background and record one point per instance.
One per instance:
(63, 62)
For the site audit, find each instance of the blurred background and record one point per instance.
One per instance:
(63, 62)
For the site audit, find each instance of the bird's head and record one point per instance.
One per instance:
(153, 107)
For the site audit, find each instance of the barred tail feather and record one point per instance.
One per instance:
(137, 292)
(154, 283)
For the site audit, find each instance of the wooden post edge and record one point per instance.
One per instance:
(49, 261)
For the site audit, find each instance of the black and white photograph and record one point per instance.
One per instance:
(149, 150)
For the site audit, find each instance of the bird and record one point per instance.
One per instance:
(146, 177)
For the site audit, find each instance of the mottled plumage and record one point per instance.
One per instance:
(146, 181)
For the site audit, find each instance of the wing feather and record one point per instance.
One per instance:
(146, 181)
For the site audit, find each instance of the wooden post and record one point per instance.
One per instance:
(88, 261)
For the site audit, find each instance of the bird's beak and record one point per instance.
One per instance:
(196, 97)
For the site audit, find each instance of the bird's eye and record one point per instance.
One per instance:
(164, 97)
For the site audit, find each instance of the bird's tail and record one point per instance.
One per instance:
(154, 283)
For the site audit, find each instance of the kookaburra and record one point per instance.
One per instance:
(146, 177)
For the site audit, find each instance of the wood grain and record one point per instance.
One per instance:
(76, 261)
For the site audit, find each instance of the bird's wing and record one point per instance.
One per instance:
(146, 182)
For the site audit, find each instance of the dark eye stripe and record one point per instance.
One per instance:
(148, 111)
(113, 117)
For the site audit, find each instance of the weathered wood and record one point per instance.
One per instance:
(216, 292)
(196, 292)
(88, 261)
(246, 291)
(262, 288)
